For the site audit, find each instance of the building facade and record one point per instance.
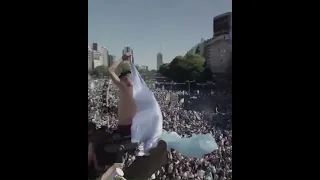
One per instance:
(111, 59)
(97, 59)
(95, 46)
(97, 56)
(126, 50)
(142, 67)
(222, 24)
(217, 53)
(159, 60)
(218, 49)
(105, 55)
(90, 59)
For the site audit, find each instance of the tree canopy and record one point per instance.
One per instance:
(146, 74)
(188, 68)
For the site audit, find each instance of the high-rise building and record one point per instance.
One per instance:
(128, 49)
(222, 24)
(159, 60)
(97, 59)
(111, 59)
(218, 49)
(95, 46)
(105, 55)
(90, 59)
(217, 53)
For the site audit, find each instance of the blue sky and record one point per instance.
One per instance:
(150, 26)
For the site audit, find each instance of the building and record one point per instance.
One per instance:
(90, 59)
(98, 56)
(217, 53)
(222, 24)
(218, 49)
(111, 59)
(159, 60)
(97, 59)
(105, 55)
(128, 49)
(95, 46)
(142, 67)
(198, 48)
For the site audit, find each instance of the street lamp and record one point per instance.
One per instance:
(189, 85)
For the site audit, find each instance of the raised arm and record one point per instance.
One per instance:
(114, 66)
(112, 72)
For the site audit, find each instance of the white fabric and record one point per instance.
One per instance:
(147, 124)
(181, 101)
(93, 85)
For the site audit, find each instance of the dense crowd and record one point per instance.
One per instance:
(214, 118)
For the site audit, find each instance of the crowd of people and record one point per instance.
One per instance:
(214, 118)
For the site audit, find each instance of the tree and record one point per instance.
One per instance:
(189, 67)
(164, 69)
(146, 74)
(206, 74)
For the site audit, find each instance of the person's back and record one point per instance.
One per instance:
(127, 108)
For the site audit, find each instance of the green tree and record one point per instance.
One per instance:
(189, 67)
(164, 69)
(206, 74)
(145, 74)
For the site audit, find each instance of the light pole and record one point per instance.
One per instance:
(171, 85)
(189, 86)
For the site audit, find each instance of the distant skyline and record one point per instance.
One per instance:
(171, 27)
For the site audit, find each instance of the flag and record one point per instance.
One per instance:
(93, 85)
(147, 124)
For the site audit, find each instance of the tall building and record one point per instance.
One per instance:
(218, 49)
(90, 59)
(128, 49)
(95, 46)
(217, 53)
(97, 55)
(111, 59)
(105, 55)
(222, 24)
(97, 59)
(159, 60)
